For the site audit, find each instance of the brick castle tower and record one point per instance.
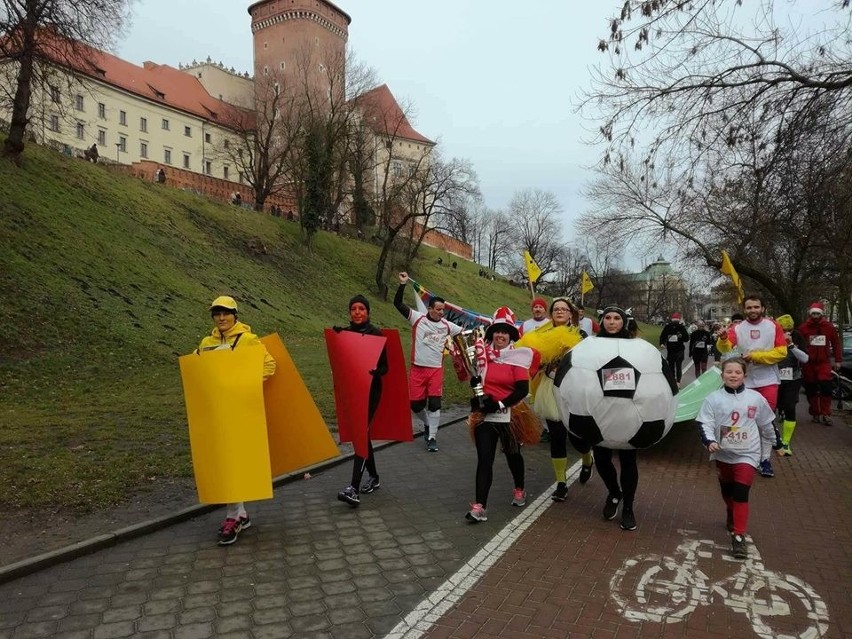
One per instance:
(285, 30)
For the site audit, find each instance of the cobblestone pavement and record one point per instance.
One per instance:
(407, 565)
(310, 566)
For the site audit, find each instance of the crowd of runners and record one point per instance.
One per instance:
(765, 363)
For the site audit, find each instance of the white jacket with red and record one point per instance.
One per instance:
(740, 421)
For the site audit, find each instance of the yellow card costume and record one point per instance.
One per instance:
(298, 435)
(244, 431)
(223, 391)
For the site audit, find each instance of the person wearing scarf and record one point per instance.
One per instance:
(505, 377)
(359, 322)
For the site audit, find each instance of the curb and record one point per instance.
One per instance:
(106, 540)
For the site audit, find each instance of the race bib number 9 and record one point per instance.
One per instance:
(617, 379)
(817, 340)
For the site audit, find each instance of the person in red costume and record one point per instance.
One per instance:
(823, 343)
(762, 343)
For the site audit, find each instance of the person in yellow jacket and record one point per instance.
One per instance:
(229, 333)
(552, 341)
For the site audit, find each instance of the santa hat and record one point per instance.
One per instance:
(504, 319)
(816, 307)
(540, 301)
(675, 317)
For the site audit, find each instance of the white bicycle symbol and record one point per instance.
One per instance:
(666, 589)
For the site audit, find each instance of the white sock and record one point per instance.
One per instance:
(235, 511)
(434, 418)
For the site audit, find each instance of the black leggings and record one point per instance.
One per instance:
(629, 473)
(559, 436)
(675, 360)
(360, 463)
(788, 397)
(486, 436)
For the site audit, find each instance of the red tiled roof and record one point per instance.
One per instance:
(158, 83)
(384, 115)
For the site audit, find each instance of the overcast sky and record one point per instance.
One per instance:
(493, 81)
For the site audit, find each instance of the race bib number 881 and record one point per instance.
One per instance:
(616, 379)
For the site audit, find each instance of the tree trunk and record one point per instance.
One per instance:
(381, 287)
(13, 147)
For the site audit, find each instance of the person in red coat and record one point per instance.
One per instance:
(823, 343)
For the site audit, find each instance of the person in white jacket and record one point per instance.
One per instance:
(736, 427)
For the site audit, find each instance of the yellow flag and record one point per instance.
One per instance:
(533, 271)
(729, 270)
(586, 283)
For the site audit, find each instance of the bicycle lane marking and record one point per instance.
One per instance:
(420, 620)
(682, 587)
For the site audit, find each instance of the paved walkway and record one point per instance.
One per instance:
(406, 564)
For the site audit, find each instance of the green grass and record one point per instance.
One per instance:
(105, 280)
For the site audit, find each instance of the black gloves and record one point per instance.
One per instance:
(488, 405)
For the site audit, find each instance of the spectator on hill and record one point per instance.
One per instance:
(91, 154)
(160, 176)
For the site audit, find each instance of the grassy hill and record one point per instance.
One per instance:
(105, 280)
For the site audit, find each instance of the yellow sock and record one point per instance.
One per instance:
(560, 465)
(587, 458)
(787, 428)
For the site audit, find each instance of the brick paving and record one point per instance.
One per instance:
(313, 567)
(557, 580)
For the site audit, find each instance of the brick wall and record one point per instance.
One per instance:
(206, 185)
(437, 239)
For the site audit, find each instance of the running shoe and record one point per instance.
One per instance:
(545, 437)
(370, 485)
(585, 474)
(628, 519)
(350, 496)
(519, 497)
(432, 446)
(229, 532)
(476, 513)
(245, 523)
(610, 509)
(766, 469)
(826, 420)
(561, 492)
(738, 547)
(785, 450)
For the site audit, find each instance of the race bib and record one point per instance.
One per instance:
(786, 374)
(700, 344)
(618, 379)
(817, 340)
(501, 416)
(673, 338)
(734, 439)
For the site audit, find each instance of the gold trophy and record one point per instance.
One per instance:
(465, 344)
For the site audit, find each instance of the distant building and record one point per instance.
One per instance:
(659, 291)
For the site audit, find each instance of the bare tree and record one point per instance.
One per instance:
(262, 139)
(38, 35)
(773, 208)
(569, 262)
(439, 193)
(689, 76)
(536, 226)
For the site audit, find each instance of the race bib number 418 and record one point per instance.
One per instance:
(615, 379)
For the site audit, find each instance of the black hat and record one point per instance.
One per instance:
(362, 299)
